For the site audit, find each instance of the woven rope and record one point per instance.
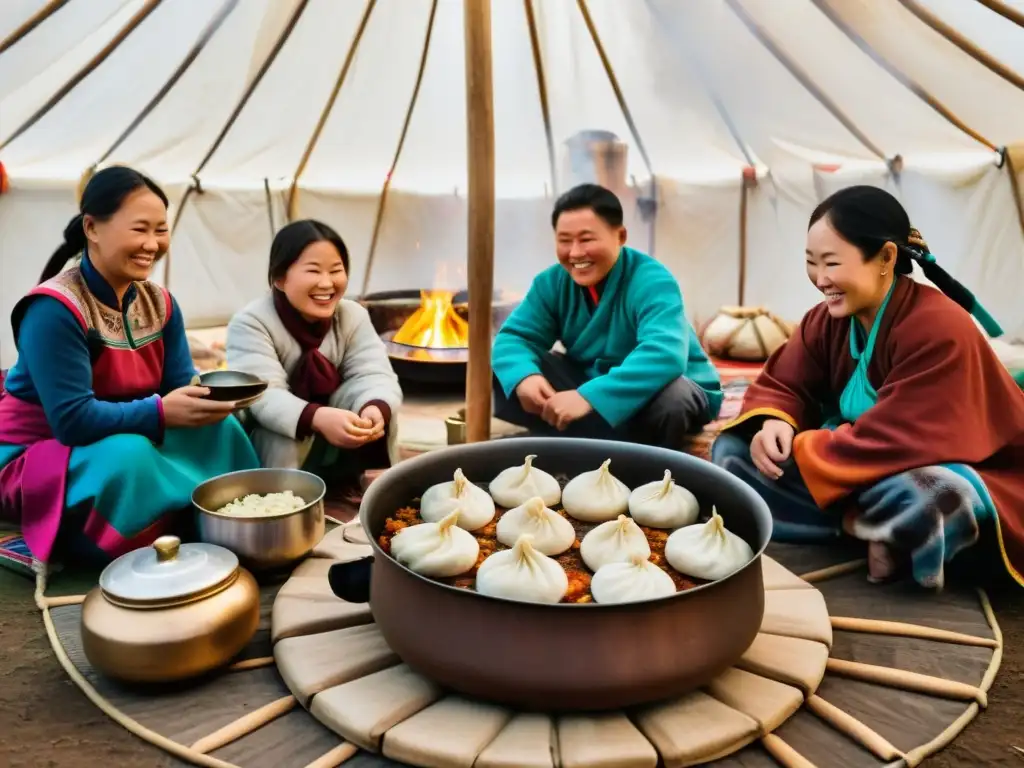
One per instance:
(778, 748)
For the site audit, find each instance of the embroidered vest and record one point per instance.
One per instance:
(127, 348)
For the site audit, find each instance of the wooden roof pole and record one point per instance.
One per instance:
(480, 251)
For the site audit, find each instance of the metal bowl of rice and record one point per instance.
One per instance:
(270, 518)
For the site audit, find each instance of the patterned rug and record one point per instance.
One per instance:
(736, 377)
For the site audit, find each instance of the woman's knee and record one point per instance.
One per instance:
(279, 451)
(729, 448)
(134, 446)
(934, 482)
(124, 458)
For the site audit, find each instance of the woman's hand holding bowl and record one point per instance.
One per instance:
(187, 407)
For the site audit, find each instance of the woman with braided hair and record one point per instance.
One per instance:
(102, 436)
(887, 415)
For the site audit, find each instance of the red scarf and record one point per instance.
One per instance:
(315, 378)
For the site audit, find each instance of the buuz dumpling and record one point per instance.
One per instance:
(630, 582)
(438, 550)
(707, 551)
(522, 573)
(515, 486)
(475, 505)
(552, 534)
(663, 504)
(596, 496)
(616, 541)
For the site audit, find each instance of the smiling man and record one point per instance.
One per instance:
(633, 367)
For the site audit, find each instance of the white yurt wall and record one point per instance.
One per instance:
(812, 95)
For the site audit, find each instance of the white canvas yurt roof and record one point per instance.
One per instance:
(355, 111)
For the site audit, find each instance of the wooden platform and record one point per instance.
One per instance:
(351, 682)
(906, 671)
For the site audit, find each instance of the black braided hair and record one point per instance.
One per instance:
(869, 217)
(101, 199)
(917, 249)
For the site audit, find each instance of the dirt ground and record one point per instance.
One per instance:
(45, 721)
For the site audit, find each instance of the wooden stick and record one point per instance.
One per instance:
(87, 69)
(340, 754)
(257, 663)
(250, 89)
(833, 571)
(997, 656)
(542, 91)
(907, 681)
(382, 200)
(1011, 174)
(204, 38)
(785, 754)
(901, 629)
(56, 602)
(613, 81)
(742, 288)
(828, 7)
(997, 6)
(245, 725)
(480, 251)
(325, 112)
(31, 23)
(854, 728)
(991, 63)
(104, 705)
(916, 756)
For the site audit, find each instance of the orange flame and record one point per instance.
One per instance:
(434, 324)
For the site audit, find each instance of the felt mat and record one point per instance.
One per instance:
(917, 724)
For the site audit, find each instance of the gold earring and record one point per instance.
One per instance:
(885, 272)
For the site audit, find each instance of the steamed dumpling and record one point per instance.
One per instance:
(596, 496)
(436, 549)
(663, 504)
(522, 573)
(707, 551)
(616, 541)
(475, 505)
(517, 485)
(638, 579)
(552, 534)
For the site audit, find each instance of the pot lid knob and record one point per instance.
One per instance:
(167, 570)
(166, 548)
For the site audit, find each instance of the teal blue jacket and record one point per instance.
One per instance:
(634, 344)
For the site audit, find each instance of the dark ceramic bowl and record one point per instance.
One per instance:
(230, 386)
(564, 656)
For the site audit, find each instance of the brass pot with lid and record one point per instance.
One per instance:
(169, 612)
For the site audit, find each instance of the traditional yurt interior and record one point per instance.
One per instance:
(720, 124)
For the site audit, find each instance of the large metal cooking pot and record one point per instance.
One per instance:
(564, 656)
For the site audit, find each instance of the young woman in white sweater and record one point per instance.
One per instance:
(333, 395)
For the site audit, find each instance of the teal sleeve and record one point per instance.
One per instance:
(528, 333)
(660, 355)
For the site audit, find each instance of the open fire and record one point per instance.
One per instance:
(435, 324)
(426, 332)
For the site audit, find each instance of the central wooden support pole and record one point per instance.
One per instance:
(480, 252)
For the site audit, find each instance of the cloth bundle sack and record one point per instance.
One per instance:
(749, 334)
